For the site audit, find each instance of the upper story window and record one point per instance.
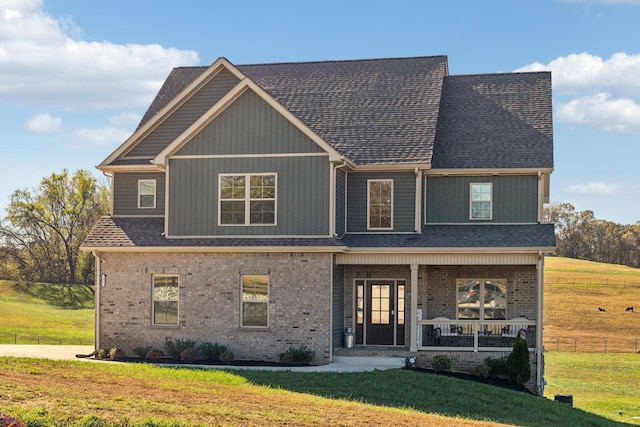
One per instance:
(380, 204)
(255, 301)
(165, 300)
(147, 193)
(481, 200)
(247, 199)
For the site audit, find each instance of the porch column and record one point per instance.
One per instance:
(414, 308)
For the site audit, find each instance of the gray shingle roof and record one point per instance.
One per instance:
(122, 232)
(141, 232)
(462, 236)
(376, 111)
(493, 121)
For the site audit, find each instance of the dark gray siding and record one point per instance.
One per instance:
(185, 115)
(404, 200)
(249, 125)
(341, 181)
(125, 194)
(337, 314)
(302, 195)
(515, 198)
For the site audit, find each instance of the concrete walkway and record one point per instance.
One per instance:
(339, 364)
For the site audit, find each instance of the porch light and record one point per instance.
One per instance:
(103, 280)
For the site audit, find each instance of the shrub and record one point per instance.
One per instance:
(518, 363)
(175, 347)
(103, 353)
(227, 356)
(482, 371)
(441, 363)
(142, 351)
(116, 353)
(297, 356)
(189, 354)
(212, 351)
(497, 367)
(154, 355)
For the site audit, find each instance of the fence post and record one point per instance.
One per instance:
(575, 344)
(605, 346)
(15, 338)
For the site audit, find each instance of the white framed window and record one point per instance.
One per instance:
(482, 298)
(480, 203)
(247, 199)
(380, 204)
(146, 193)
(166, 295)
(255, 301)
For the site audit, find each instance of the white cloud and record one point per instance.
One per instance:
(43, 123)
(43, 63)
(602, 111)
(594, 188)
(125, 119)
(101, 136)
(603, 93)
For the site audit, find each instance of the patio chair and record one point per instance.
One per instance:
(515, 329)
(445, 329)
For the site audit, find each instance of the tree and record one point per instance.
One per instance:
(43, 229)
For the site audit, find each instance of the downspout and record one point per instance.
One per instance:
(332, 201)
(98, 269)
(418, 210)
(539, 327)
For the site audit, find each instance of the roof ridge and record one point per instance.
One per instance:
(332, 61)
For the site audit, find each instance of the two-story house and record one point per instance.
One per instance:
(276, 205)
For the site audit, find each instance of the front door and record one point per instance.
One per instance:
(381, 314)
(380, 308)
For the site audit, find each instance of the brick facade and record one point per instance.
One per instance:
(210, 301)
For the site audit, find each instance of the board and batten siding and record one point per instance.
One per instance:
(184, 115)
(125, 194)
(249, 126)
(302, 201)
(514, 198)
(404, 201)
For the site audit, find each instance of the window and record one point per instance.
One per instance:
(380, 204)
(255, 301)
(484, 299)
(165, 300)
(481, 201)
(147, 193)
(248, 199)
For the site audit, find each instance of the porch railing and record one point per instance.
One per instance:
(474, 335)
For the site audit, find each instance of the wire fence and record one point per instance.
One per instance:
(8, 338)
(592, 345)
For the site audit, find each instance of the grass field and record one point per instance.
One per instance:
(36, 313)
(574, 290)
(605, 387)
(53, 393)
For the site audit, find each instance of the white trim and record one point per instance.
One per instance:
(213, 70)
(247, 199)
(418, 205)
(490, 201)
(369, 227)
(153, 300)
(242, 301)
(244, 85)
(137, 216)
(154, 194)
(247, 156)
(332, 198)
(540, 197)
(488, 172)
(219, 249)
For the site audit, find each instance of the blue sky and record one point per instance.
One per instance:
(76, 76)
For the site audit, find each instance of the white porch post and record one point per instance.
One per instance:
(414, 308)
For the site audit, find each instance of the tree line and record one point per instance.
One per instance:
(41, 234)
(580, 235)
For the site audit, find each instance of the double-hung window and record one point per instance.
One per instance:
(482, 298)
(147, 193)
(255, 300)
(165, 300)
(247, 199)
(380, 204)
(480, 203)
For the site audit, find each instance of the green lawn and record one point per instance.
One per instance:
(36, 313)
